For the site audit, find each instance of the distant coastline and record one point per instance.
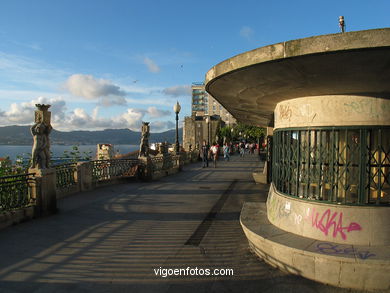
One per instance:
(20, 135)
(13, 151)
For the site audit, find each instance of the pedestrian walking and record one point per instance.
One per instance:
(226, 152)
(214, 153)
(242, 149)
(204, 153)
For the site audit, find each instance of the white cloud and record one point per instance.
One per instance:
(132, 119)
(178, 90)
(156, 113)
(87, 86)
(23, 113)
(158, 126)
(80, 119)
(152, 66)
(246, 32)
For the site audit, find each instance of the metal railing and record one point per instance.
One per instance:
(66, 175)
(110, 169)
(344, 165)
(15, 191)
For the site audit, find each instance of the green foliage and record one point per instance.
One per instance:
(6, 167)
(20, 166)
(242, 131)
(75, 155)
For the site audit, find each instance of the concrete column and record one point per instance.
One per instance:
(84, 176)
(145, 169)
(44, 191)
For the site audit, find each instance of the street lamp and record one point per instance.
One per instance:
(177, 109)
(208, 130)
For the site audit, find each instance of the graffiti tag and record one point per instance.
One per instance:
(336, 249)
(332, 222)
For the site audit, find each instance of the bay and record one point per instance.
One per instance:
(12, 151)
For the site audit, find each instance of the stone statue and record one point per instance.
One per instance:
(144, 146)
(40, 132)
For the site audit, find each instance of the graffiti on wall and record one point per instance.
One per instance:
(285, 112)
(338, 249)
(331, 223)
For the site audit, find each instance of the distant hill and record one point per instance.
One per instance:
(20, 135)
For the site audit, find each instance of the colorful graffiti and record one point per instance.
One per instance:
(337, 249)
(332, 222)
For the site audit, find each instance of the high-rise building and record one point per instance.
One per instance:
(203, 104)
(207, 116)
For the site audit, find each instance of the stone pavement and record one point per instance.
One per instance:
(113, 239)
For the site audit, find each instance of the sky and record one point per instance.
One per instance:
(112, 64)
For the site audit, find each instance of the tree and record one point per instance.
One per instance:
(249, 132)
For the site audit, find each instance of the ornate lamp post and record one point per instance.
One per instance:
(177, 109)
(208, 130)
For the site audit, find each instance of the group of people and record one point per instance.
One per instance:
(211, 153)
(247, 148)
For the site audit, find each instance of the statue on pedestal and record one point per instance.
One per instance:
(144, 146)
(40, 132)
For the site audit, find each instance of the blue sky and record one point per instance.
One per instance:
(113, 64)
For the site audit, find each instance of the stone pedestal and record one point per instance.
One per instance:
(145, 168)
(44, 191)
(84, 174)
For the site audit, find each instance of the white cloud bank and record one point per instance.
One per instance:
(89, 87)
(156, 113)
(79, 119)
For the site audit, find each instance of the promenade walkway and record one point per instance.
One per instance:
(114, 238)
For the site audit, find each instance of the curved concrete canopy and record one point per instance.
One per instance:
(250, 85)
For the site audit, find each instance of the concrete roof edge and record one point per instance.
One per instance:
(300, 47)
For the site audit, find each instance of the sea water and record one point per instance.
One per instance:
(13, 151)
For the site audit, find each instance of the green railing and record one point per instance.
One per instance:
(65, 175)
(344, 165)
(110, 169)
(15, 191)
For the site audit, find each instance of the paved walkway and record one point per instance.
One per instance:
(114, 238)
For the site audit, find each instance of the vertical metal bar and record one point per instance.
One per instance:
(319, 163)
(363, 164)
(345, 165)
(274, 158)
(288, 146)
(283, 162)
(332, 151)
(308, 163)
(298, 162)
(379, 185)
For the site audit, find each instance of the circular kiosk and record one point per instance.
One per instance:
(327, 215)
